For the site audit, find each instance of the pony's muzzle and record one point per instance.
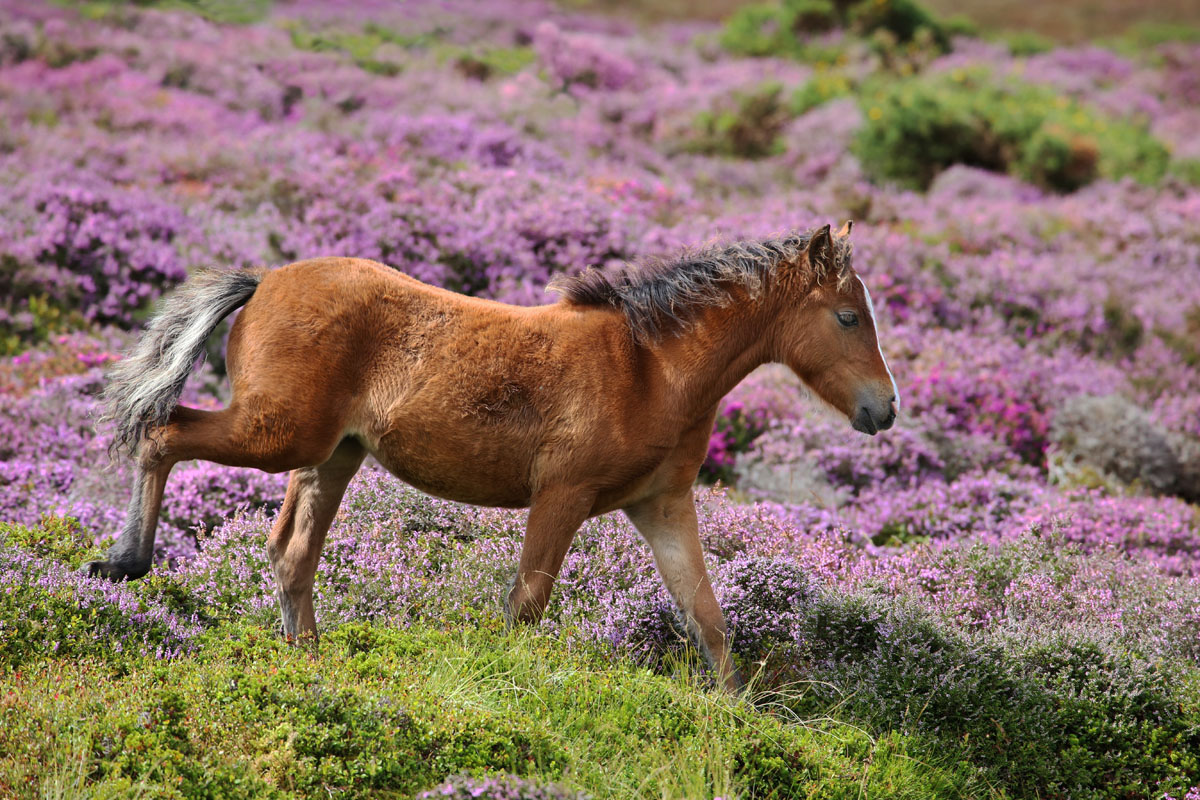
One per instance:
(873, 417)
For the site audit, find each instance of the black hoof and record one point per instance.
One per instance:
(111, 571)
(103, 569)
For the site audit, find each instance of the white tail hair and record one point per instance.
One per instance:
(144, 386)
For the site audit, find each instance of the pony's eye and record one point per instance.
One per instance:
(848, 319)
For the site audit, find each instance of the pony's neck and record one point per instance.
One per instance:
(721, 347)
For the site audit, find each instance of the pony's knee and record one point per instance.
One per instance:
(291, 574)
(275, 550)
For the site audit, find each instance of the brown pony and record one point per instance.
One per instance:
(602, 401)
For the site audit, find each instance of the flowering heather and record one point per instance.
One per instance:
(50, 609)
(999, 305)
(504, 788)
(1031, 516)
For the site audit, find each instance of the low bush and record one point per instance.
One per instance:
(903, 19)
(360, 46)
(1060, 714)
(1116, 437)
(917, 127)
(1026, 43)
(972, 671)
(786, 28)
(746, 125)
(49, 609)
(99, 252)
(227, 12)
(822, 87)
(507, 787)
(1186, 170)
(735, 432)
(479, 64)
(759, 29)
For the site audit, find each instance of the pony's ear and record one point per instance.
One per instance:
(845, 230)
(820, 250)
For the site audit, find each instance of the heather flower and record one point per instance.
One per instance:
(507, 787)
(581, 59)
(107, 253)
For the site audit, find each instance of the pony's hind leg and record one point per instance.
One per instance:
(294, 547)
(253, 435)
(131, 555)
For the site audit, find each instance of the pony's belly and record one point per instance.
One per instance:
(482, 471)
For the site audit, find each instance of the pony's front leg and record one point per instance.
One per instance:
(294, 546)
(554, 516)
(669, 525)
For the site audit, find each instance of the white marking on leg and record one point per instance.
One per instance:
(871, 311)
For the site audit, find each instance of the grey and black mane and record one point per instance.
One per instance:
(660, 297)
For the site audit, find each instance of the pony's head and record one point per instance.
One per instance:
(828, 335)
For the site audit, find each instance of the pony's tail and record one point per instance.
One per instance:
(145, 385)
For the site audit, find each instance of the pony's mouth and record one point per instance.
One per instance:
(865, 422)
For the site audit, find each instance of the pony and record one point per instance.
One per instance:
(603, 400)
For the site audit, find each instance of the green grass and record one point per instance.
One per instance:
(228, 12)
(381, 712)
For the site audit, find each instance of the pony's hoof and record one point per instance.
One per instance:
(110, 570)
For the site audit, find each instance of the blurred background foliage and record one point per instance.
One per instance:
(1069, 21)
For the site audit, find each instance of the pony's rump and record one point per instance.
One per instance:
(144, 386)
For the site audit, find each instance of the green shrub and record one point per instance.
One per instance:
(380, 712)
(1141, 40)
(904, 19)
(34, 324)
(960, 25)
(759, 29)
(823, 86)
(1062, 715)
(917, 127)
(288, 724)
(236, 12)
(1026, 43)
(226, 12)
(748, 127)
(60, 539)
(786, 28)
(359, 46)
(504, 787)
(811, 16)
(1186, 170)
(484, 64)
(48, 609)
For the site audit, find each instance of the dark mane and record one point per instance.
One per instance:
(660, 297)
